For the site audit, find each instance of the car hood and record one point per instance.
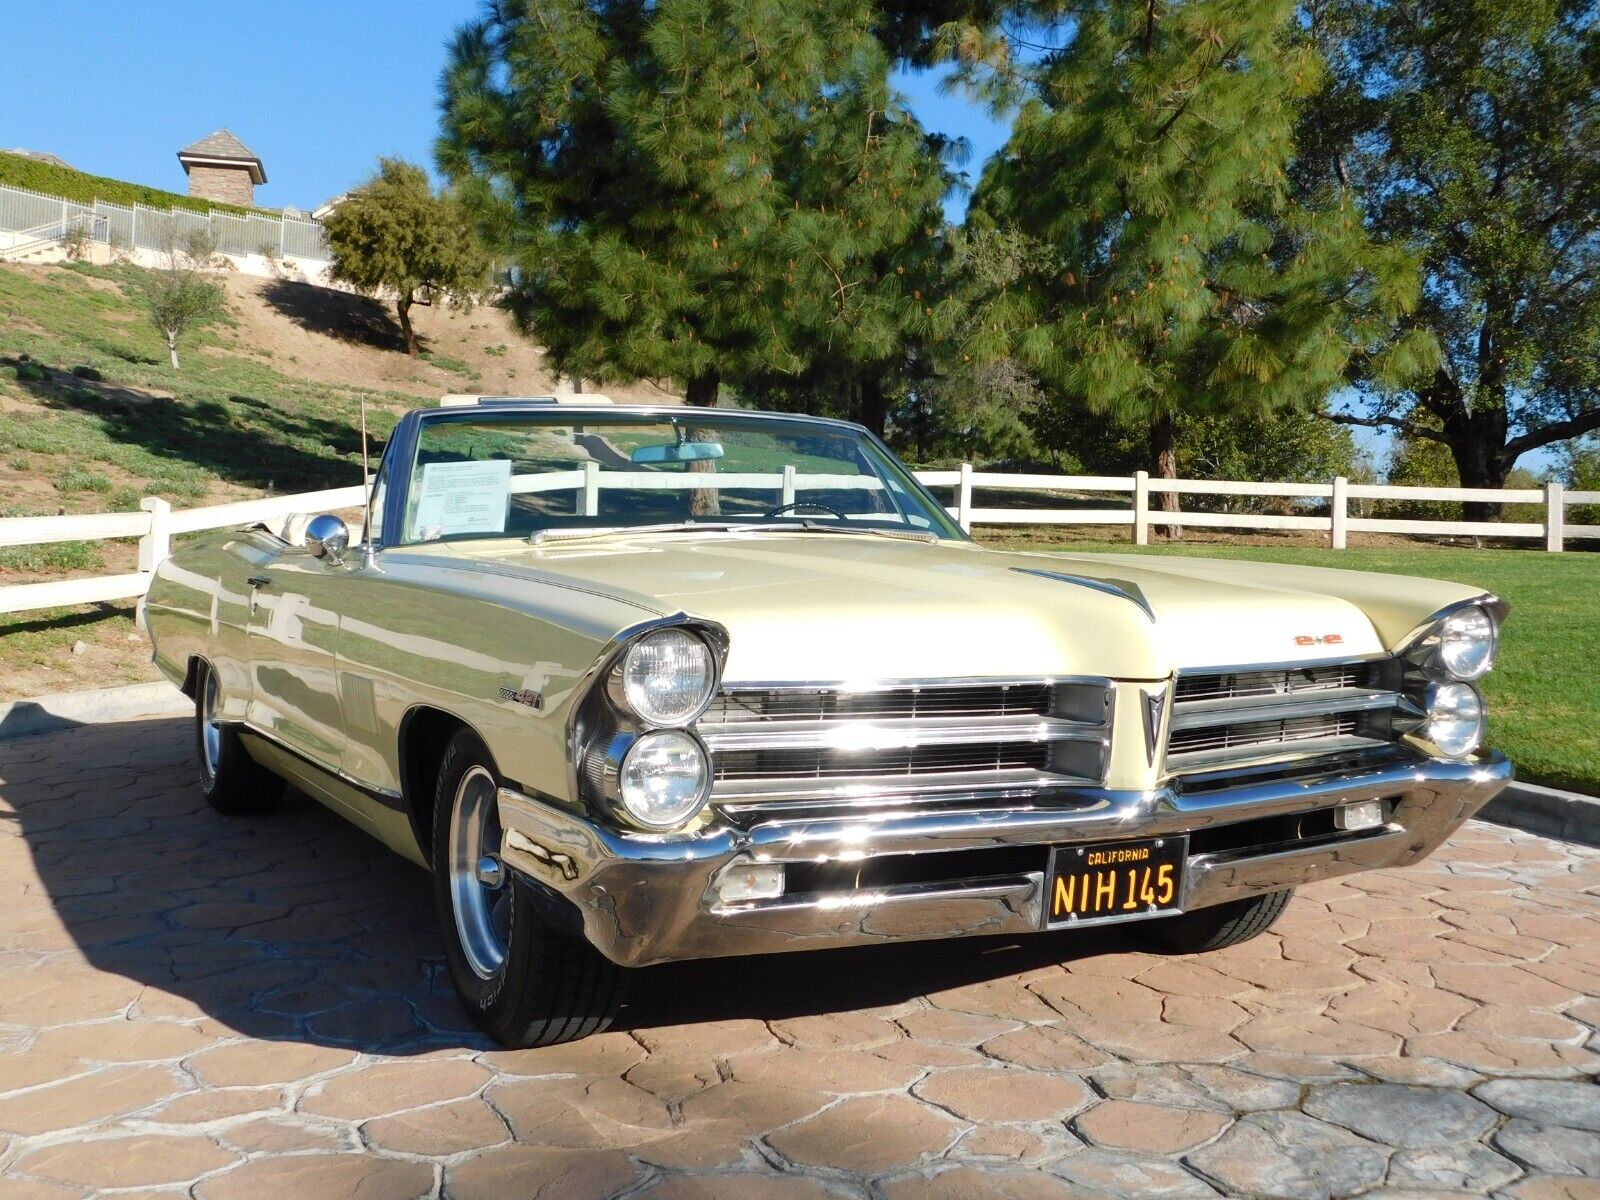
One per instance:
(799, 606)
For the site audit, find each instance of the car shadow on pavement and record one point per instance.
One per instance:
(296, 926)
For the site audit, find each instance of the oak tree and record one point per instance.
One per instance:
(394, 235)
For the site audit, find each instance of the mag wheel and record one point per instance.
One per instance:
(1220, 925)
(231, 781)
(522, 982)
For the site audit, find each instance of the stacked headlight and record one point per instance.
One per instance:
(1445, 660)
(663, 779)
(666, 678)
(657, 774)
(1454, 718)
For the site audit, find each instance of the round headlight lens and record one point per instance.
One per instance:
(663, 780)
(667, 677)
(1466, 643)
(1455, 718)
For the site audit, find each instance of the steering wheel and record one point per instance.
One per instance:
(797, 504)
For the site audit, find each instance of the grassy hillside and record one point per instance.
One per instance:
(92, 418)
(69, 184)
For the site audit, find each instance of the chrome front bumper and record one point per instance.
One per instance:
(643, 899)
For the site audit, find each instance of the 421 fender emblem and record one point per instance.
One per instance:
(1318, 639)
(525, 696)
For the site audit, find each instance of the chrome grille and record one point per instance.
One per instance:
(1269, 714)
(820, 704)
(1233, 685)
(814, 742)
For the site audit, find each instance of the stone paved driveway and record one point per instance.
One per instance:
(255, 1009)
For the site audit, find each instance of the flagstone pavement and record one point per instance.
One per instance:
(192, 1005)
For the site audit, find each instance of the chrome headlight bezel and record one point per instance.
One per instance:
(627, 682)
(1435, 651)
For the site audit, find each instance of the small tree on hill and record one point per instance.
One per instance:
(178, 296)
(394, 234)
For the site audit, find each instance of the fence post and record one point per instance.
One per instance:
(1141, 508)
(964, 498)
(1555, 516)
(157, 544)
(787, 498)
(591, 489)
(1340, 509)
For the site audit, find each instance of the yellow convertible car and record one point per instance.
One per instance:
(652, 683)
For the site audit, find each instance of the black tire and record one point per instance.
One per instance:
(1220, 925)
(547, 987)
(232, 782)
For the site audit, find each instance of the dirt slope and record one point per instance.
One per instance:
(334, 337)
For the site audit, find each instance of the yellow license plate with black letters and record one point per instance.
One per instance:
(1115, 881)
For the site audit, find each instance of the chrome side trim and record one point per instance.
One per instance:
(388, 797)
(1122, 589)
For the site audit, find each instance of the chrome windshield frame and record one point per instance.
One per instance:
(401, 452)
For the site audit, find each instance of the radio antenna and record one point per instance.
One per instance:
(366, 471)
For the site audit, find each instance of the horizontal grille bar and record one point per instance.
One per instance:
(916, 760)
(829, 704)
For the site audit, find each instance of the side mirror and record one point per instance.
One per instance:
(327, 537)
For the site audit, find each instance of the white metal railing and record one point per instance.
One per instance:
(153, 229)
(157, 522)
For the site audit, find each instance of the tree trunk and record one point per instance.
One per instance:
(1164, 453)
(874, 405)
(1480, 465)
(172, 348)
(702, 393)
(403, 306)
(1476, 438)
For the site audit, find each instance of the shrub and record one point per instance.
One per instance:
(76, 479)
(88, 373)
(36, 176)
(31, 372)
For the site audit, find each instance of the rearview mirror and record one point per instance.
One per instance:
(327, 537)
(677, 452)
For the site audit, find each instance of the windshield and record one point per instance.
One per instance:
(489, 475)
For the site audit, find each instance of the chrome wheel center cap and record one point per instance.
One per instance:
(489, 871)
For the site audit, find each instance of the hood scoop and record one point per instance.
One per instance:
(1112, 587)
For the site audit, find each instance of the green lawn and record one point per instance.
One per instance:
(1544, 694)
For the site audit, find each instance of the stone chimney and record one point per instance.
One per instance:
(223, 169)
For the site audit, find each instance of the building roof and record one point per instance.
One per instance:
(222, 148)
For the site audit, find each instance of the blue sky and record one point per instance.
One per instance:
(317, 90)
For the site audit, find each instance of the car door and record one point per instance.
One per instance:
(293, 650)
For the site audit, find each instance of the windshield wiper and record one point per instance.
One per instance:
(540, 536)
(543, 536)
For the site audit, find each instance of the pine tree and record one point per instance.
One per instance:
(1178, 275)
(701, 190)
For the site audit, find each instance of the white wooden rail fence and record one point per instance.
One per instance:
(157, 522)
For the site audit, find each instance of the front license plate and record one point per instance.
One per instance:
(1115, 881)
